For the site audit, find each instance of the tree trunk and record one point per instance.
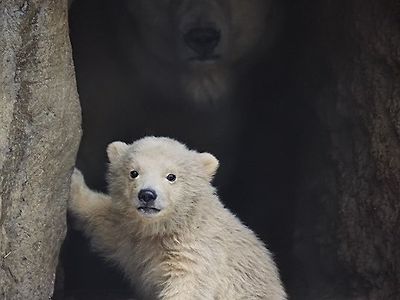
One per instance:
(39, 136)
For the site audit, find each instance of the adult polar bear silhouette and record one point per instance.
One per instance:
(167, 68)
(164, 225)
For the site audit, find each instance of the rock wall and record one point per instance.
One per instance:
(39, 136)
(348, 211)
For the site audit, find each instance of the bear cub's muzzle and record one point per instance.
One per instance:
(147, 199)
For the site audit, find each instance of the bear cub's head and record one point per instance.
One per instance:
(157, 177)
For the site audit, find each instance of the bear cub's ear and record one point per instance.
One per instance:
(115, 150)
(210, 163)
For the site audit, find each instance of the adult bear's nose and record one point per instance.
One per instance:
(147, 195)
(202, 40)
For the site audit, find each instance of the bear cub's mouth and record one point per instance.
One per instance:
(146, 210)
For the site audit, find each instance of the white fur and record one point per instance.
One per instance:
(194, 248)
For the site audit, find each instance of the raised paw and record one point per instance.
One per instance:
(78, 184)
(77, 192)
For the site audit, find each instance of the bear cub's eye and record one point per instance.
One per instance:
(171, 177)
(134, 174)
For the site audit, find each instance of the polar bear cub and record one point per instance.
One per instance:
(164, 225)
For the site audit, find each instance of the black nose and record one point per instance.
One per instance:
(147, 195)
(202, 40)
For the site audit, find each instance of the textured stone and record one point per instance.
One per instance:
(39, 136)
(348, 211)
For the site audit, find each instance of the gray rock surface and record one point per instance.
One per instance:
(39, 136)
(348, 208)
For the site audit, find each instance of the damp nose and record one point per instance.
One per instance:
(147, 195)
(202, 40)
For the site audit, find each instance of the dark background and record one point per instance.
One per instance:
(302, 173)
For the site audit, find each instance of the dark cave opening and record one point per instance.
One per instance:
(273, 152)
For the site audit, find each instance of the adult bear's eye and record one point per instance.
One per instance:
(171, 177)
(134, 174)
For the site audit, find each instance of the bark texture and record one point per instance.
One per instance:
(39, 136)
